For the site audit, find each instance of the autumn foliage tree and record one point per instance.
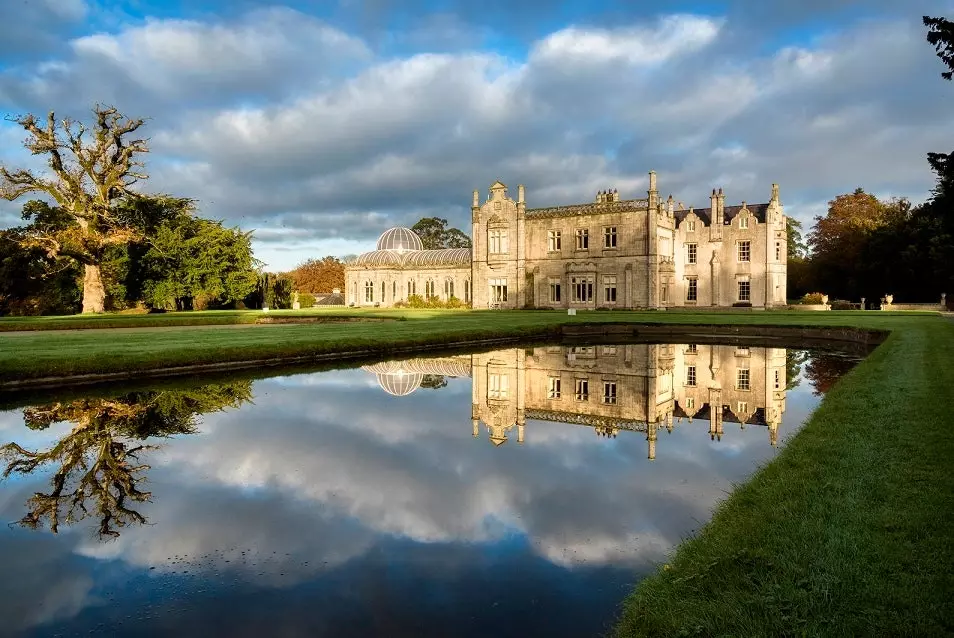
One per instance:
(90, 169)
(318, 275)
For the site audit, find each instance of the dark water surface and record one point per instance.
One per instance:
(452, 496)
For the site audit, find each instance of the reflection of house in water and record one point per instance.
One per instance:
(636, 387)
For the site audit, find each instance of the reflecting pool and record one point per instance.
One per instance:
(515, 492)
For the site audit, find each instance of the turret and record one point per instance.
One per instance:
(652, 192)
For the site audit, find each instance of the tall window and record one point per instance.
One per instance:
(582, 390)
(692, 289)
(778, 380)
(778, 251)
(498, 242)
(582, 289)
(744, 222)
(554, 240)
(554, 390)
(690, 403)
(745, 250)
(448, 288)
(555, 291)
(691, 226)
(609, 288)
(382, 291)
(691, 375)
(498, 290)
(369, 291)
(430, 290)
(691, 253)
(582, 239)
(741, 407)
(411, 287)
(742, 379)
(609, 237)
(393, 290)
(498, 386)
(745, 290)
(609, 392)
(467, 291)
(354, 296)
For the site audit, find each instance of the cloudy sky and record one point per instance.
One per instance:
(320, 124)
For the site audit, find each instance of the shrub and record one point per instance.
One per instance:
(307, 300)
(813, 298)
(416, 301)
(454, 302)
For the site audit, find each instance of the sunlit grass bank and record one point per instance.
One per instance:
(848, 532)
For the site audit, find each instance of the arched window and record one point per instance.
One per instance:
(448, 288)
(382, 291)
(411, 287)
(393, 290)
(354, 293)
(369, 291)
(467, 291)
(429, 289)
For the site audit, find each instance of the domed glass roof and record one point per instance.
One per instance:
(400, 240)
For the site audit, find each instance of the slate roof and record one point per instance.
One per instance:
(759, 210)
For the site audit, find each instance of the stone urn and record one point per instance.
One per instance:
(825, 299)
(889, 299)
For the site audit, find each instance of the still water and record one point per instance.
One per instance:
(509, 493)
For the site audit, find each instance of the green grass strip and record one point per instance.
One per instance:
(37, 354)
(848, 532)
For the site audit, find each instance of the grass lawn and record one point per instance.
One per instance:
(847, 532)
(44, 353)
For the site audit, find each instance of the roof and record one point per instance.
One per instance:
(399, 239)
(592, 208)
(414, 259)
(759, 210)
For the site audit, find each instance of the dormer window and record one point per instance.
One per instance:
(690, 226)
(744, 222)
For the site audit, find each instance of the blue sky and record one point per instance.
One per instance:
(320, 124)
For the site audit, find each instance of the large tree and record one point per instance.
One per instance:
(435, 234)
(88, 174)
(838, 242)
(192, 263)
(318, 275)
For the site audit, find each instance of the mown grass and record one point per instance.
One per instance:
(36, 354)
(848, 532)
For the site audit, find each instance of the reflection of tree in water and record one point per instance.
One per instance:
(433, 381)
(824, 369)
(794, 359)
(99, 468)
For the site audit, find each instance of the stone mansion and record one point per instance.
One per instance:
(609, 253)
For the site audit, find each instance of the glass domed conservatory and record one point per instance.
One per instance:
(400, 267)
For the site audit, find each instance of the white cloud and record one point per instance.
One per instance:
(271, 126)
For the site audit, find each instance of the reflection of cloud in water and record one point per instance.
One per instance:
(323, 469)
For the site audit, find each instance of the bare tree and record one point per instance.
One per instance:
(88, 175)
